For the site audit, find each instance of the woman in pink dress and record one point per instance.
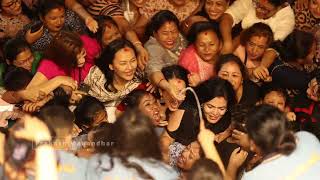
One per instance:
(200, 56)
(67, 61)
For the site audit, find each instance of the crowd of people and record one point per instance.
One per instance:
(159, 89)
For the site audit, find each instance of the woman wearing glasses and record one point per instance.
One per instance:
(12, 18)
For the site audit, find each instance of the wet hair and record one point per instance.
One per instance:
(175, 71)
(86, 110)
(228, 58)
(267, 127)
(211, 89)
(133, 99)
(297, 45)
(45, 6)
(64, 48)
(158, 20)
(16, 78)
(107, 57)
(277, 3)
(103, 21)
(200, 27)
(269, 87)
(132, 130)
(205, 169)
(239, 116)
(57, 117)
(60, 97)
(216, 87)
(257, 29)
(13, 48)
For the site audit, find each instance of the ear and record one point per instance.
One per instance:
(8, 62)
(220, 45)
(41, 18)
(111, 67)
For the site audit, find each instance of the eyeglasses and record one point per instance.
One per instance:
(24, 61)
(264, 9)
(11, 4)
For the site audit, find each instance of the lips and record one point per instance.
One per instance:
(214, 15)
(169, 43)
(129, 73)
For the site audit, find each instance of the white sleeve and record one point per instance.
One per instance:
(239, 9)
(283, 24)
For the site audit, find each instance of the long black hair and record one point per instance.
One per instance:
(267, 127)
(107, 57)
(132, 135)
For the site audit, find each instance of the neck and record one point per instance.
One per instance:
(7, 15)
(239, 93)
(119, 83)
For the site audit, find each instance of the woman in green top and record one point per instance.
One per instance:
(17, 52)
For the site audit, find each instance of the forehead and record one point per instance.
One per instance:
(230, 67)
(207, 35)
(169, 25)
(258, 39)
(274, 95)
(147, 97)
(125, 53)
(24, 52)
(218, 102)
(56, 12)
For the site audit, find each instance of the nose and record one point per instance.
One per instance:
(255, 50)
(215, 111)
(206, 49)
(213, 7)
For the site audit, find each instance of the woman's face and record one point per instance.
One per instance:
(215, 8)
(110, 33)
(54, 19)
(264, 9)
(178, 86)
(81, 58)
(167, 35)
(150, 107)
(256, 47)
(189, 156)
(138, 3)
(208, 45)
(124, 64)
(24, 59)
(11, 7)
(215, 109)
(314, 6)
(231, 72)
(100, 116)
(275, 99)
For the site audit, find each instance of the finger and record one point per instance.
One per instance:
(236, 151)
(77, 92)
(237, 132)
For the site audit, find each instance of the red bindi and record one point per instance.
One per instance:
(205, 33)
(126, 49)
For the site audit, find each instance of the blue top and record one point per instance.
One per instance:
(302, 164)
(100, 167)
